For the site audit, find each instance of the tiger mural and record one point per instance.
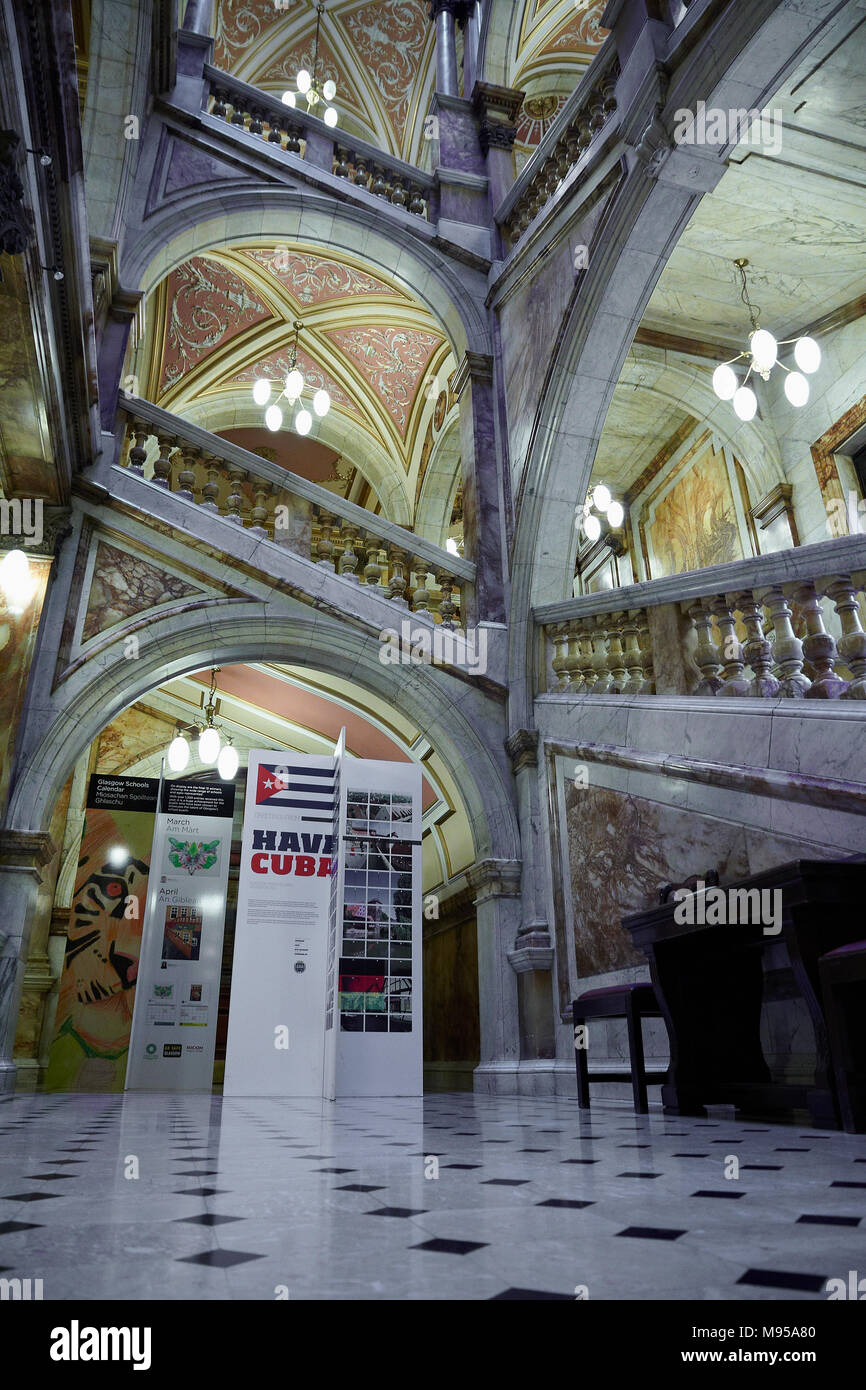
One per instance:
(97, 987)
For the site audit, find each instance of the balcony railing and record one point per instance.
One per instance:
(324, 147)
(576, 128)
(214, 476)
(782, 625)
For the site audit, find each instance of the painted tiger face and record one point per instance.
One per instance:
(104, 936)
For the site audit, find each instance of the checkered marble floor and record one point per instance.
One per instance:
(259, 1199)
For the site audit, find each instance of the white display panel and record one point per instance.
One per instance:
(276, 1014)
(378, 1023)
(174, 1019)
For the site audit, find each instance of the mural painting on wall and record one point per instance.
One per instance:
(97, 987)
(621, 849)
(695, 524)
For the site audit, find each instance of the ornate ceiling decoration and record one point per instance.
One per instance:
(219, 321)
(379, 52)
(552, 47)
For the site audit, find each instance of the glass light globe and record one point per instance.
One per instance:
(451, 546)
(331, 116)
(288, 98)
(615, 514)
(294, 384)
(321, 402)
(209, 743)
(178, 753)
(796, 388)
(227, 763)
(592, 528)
(601, 497)
(303, 422)
(745, 403)
(262, 391)
(807, 355)
(725, 382)
(15, 579)
(329, 91)
(304, 80)
(273, 417)
(765, 350)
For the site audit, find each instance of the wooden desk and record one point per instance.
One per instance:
(710, 986)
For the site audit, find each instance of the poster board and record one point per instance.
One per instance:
(175, 1017)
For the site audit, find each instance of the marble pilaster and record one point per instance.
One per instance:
(496, 884)
(22, 857)
(482, 501)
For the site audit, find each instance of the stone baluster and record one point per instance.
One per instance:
(587, 668)
(293, 139)
(599, 658)
(341, 162)
(420, 595)
(238, 117)
(573, 658)
(138, 451)
(349, 559)
(235, 499)
(211, 490)
(398, 193)
(787, 647)
(632, 659)
(256, 120)
(706, 654)
(259, 515)
(325, 543)
(757, 649)
(446, 604)
(219, 108)
(730, 648)
(560, 657)
(819, 646)
(417, 203)
(186, 476)
(647, 660)
(162, 464)
(361, 175)
(275, 135)
(373, 568)
(616, 664)
(852, 643)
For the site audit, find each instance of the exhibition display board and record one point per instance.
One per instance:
(175, 1018)
(326, 981)
(275, 1041)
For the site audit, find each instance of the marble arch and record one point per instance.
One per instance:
(645, 224)
(100, 689)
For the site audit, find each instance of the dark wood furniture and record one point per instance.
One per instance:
(633, 1003)
(843, 980)
(710, 984)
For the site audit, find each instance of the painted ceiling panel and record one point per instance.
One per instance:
(207, 305)
(313, 279)
(392, 361)
(277, 367)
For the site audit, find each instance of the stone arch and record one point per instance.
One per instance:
(652, 208)
(449, 717)
(204, 219)
(439, 486)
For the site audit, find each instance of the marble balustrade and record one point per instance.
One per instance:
(299, 133)
(339, 536)
(587, 112)
(799, 639)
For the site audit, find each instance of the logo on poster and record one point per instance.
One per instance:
(172, 1050)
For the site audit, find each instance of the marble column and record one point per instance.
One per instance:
(482, 499)
(19, 626)
(496, 110)
(198, 16)
(531, 956)
(22, 856)
(496, 885)
(445, 14)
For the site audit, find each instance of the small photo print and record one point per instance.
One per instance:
(199, 857)
(195, 994)
(181, 937)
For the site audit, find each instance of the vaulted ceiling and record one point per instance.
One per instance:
(220, 320)
(381, 55)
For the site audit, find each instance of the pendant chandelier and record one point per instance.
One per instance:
(214, 744)
(292, 389)
(763, 355)
(309, 86)
(600, 504)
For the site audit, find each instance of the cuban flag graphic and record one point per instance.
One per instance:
(308, 791)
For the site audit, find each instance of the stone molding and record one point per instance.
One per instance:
(533, 957)
(495, 878)
(474, 365)
(25, 850)
(522, 749)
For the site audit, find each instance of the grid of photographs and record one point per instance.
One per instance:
(376, 954)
